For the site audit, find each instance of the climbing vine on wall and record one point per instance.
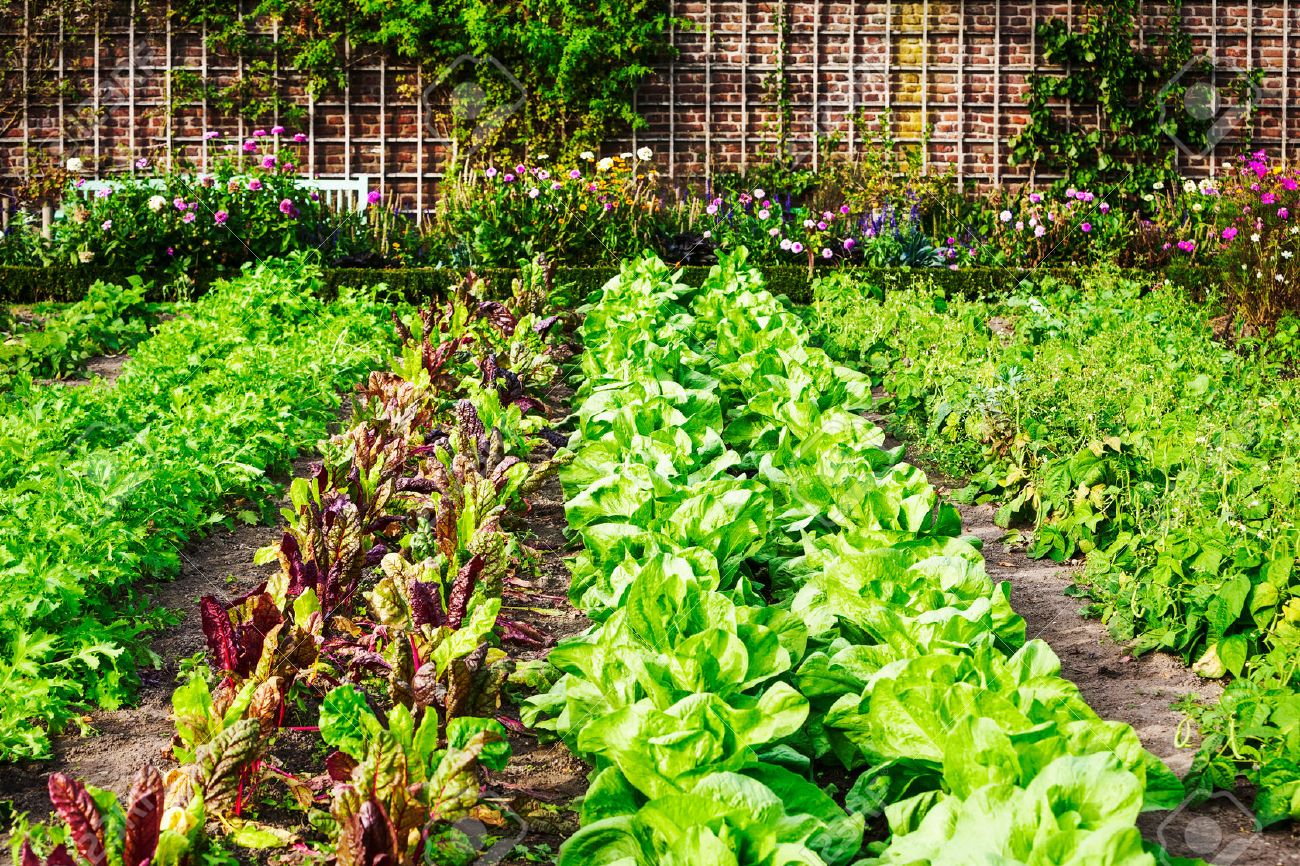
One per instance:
(1120, 106)
(526, 74)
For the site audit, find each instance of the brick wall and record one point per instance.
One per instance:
(958, 69)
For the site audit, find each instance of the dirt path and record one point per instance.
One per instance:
(1139, 691)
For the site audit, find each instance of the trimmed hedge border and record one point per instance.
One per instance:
(25, 285)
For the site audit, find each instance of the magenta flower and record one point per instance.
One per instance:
(844, 209)
(796, 247)
(1289, 184)
(179, 203)
(373, 197)
(850, 243)
(211, 134)
(250, 146)
(259, 133)
(1187, 246)
(821, 226)
(268, 161)
(189, 217)
(826, 252)
(286, 206)
(1229, 233)
(300, 137)
(1267, 198)
(574, 174)
(507, 178)
(1087, 227)
(1103, 207)
(1283, 213)
(220, 217)
(520, 169)
(277, 130)
(171, 251)
(491, 172)
(254, 185)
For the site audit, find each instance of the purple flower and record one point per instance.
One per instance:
(519, 169)
(1087, 227)
(250, 146)
(268, 161)
(254, 185)
(277, 130)
(821, 225)
(850, 243)
(574, 174)
(1283, 213)
(142, 162)
(608, 206)
(220, 217)
(171, 251)
(1035, 198)
(300, 137)
(102, 192)
(179, 203)
(313, 195)
(373, 197)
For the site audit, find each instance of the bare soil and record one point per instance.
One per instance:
(106, 367)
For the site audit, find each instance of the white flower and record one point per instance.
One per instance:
(1254, 237)
(74, 164)
(708, 234)
(1198, 207)
(774, 231)
(1295, 230)
(1160, 184)
(1148, 197)
(1286, 254)
(1005, 216)
(85, 256)
(758, 193)
(627, 154)
(534, 192)
(1278, 277)
(764, 214)
(157, 203)
(644, 153)
(1189, 186)
(587, 155)
(542, 157)
(785, 243)
(605, 164)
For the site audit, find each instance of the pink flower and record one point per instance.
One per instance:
(519, 169)
(1103, 207)
(268, 161)
(189, 217)
(142, 162)
(1187, 246)
(844, 209)
(826, 252)
(1229, 233)
(711, 209)
(286, 206)
(258, 133)
(1035, 198)
(106, 225)
(277, 130)
(254, 185)
(796, 247)
(211, 134)
(220, 217)
(490, 172)
(1289, 184)
(1267, 198)
(250, 146)
(1283, 213)
(300, 137)
(574, 174)
(171, 251)
(534, 192)
(287, 167)
(373, 197)
(179, 203)
(1087, 227)
(508, 177)
(821, 226)
(764, 214)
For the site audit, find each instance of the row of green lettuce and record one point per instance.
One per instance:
(776, 597)
(102, 485)
(1109, 421)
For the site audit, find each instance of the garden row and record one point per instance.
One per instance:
(381, 631)
(102, 485)
(1110, 423)
(777, 599)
